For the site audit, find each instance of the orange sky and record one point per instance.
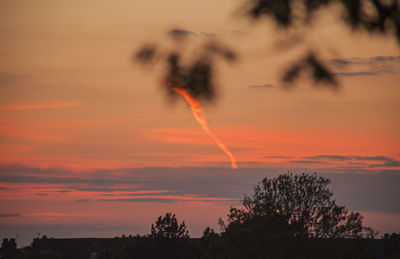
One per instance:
(73, 103)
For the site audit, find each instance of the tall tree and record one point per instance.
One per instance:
(291, 216)
(305, 204)
(169, 227)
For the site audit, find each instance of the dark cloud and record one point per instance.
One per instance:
(186, 180)
(140, 200)
(64, 191)
(364, 61)
(83, 200)
(305, 162)
(380, 59)
(373, 158)
(10, 215)
(352, 74)
(278, 157)
(42, 194)
(367, 182)
(386, 161)
(340, 62)
(166, 200)
(149, 193)
(262, 86)
(330, 157)
(180, 34)
(19, 169)
(371, 66)
(384, 59)
(383, 161)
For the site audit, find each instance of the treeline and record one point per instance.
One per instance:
(290, 216)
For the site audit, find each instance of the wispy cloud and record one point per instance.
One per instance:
(178, 33)
(373, 66)
(279, 157)
(330, 157)
(305, 162)
(169, 199)
(385, 161)
(63, 191)
(41, 106)
(83, 200)
(364, 61)
(10, 215)
(352, 74)
(264, 86)
(372, 161)
(211, 185)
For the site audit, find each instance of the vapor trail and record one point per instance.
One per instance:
(201, 118)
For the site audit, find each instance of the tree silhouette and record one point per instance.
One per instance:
(290, 216)
(168, 227)
(305, 204)
(392, 245)
(9, 249)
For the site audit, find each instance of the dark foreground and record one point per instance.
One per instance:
(144, 247)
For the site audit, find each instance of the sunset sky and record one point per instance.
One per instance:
(91, 146)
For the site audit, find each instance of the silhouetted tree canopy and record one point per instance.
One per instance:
(9, 249)
(168, 227)
(392, 245)
(305, 204)
(290, 216)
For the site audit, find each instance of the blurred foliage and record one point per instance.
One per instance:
(311, 64)
(371, 16)
(376, 17)
(197, 77)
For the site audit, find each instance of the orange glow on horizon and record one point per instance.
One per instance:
(198, 113)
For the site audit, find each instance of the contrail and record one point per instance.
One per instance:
(201, 118)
